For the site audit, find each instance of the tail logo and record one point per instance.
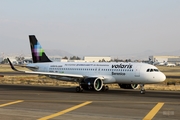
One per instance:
(38, 51)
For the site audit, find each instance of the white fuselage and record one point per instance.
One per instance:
(125, 73)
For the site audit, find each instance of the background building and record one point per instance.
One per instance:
(1, 59)
(164, 59)
(174, 60)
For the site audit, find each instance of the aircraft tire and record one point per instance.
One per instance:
(142, 91)
(79, 89)
(106, 88)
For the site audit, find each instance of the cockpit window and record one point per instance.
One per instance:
(152, 70)
(156, 70)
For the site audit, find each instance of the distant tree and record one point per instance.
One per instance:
(117, 60)
(128, 60)
(111, 60)
(103, 60)
(75, 58)
(19, 58)
(65, 58)
(5, 61)
(78, 58)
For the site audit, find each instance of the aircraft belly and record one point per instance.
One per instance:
(129, 79)
(63, 78)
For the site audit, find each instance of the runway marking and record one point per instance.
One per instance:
(153, 112)
(65, 111)
(10, 103)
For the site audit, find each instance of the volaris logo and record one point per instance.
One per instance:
(38, 51)
(122, 66)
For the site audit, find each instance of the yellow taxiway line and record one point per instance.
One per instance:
(153, 112)
(10, 103)
(65, 111)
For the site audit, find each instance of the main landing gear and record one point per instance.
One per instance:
(79, 89)
(105, 88)
(142, 89)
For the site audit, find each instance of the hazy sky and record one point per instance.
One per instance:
(91, 27)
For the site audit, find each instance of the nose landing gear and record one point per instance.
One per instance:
(142, 89)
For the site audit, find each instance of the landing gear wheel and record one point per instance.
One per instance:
(105, 88)
(142, 89)
(79, 89)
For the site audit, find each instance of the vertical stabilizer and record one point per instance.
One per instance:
(38, 53)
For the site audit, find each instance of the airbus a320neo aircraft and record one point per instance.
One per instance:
(93, 76)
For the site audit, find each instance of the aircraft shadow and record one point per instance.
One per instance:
(119, 92)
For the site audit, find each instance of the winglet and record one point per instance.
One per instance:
(12, 66)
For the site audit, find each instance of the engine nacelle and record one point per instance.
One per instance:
(92, 83)
(129, 86)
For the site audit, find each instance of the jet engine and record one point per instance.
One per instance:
(129, 86)
(92, 83)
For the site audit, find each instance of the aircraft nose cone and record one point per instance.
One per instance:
(163, 77)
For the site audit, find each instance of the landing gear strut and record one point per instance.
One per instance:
(142, 89)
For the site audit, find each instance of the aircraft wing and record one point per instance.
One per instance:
(45, 73)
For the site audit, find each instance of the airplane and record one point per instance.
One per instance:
(92, 76)
(170, 65)
(161, 63)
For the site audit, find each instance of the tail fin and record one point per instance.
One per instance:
(38, 53)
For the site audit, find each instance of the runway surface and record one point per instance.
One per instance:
(63, 103)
